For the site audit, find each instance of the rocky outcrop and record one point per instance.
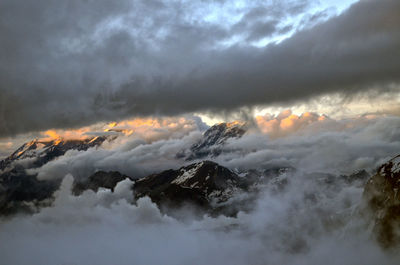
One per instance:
(100, 179)
(382, 198)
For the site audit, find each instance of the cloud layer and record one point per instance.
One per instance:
(312, 217)
(114, 60)
(309, 142)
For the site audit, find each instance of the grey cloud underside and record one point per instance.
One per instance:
(63, 65)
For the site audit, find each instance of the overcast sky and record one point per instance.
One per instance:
(75, 63)
(318, 82)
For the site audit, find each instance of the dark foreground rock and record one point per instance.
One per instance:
(21, 192)
(382, 198)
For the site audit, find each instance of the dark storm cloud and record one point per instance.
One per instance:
(74, 63)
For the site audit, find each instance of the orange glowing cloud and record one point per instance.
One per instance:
(59, 135)
(146, 128)
(152, 128)
(112, 124)
(286, 122)
(52, 134)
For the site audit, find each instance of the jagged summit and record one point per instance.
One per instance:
(202, 183)
(44, 151)
(214, 137)
(17, 187)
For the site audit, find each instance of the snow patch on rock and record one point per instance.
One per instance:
(186, 175)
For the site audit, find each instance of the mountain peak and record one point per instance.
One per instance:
(221, 131)
(46, 150)
(214, 138)
(203, 183)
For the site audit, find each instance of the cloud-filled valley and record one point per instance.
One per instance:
(300, 215)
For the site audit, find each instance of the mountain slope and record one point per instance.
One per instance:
(18, 189)
(213, 138)
(45, 151)
(205, 184)
(382, 197)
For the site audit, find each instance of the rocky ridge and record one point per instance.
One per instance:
(382, 198)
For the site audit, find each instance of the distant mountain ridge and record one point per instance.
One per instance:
(18, 189)
(214, 183)
(212, 140)
(205, 184)
(210, 187)
(45, 151)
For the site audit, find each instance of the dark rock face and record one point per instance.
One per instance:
(382, 197)
(213, 138)
(17, 190)
(100, 179)
(205, 184)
